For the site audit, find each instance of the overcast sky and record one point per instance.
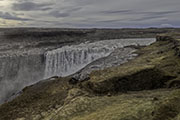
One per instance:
(90, 13)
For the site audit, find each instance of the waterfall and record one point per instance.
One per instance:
(22, 68)
(70, 59)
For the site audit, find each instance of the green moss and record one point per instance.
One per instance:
(36, 99)
(130, 106)
(169, 109)
(140, 78)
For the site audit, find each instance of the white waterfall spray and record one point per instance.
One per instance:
(70, 59)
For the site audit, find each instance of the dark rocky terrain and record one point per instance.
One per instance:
(144, 88)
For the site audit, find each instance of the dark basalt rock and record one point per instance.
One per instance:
(73, 81)
(174, 83)
(79, 78)
(145, 79)
(163, 38)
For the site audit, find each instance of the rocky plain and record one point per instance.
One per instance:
(112, 74)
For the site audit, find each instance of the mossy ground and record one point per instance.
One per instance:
(169, 108)
(137, 90)
(36, 99)
(142, 105)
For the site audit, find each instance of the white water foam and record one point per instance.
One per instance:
(70, 59)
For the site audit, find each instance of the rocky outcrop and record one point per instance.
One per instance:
(174, 38)
(137, 79)
(164, 38)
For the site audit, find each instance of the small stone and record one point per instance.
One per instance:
(73, 81)
(155, 99)
(109, 94)
(152, 113)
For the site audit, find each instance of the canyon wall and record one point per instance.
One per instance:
(18, 71)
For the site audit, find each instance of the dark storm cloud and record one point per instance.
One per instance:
(158, 13)
(117, 12)
(153, 15)
(138, 12)
(147, 18)
(31, 6)
(8, 16)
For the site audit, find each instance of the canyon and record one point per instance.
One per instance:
(69, 73)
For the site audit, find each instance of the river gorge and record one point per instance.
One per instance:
(21, 69)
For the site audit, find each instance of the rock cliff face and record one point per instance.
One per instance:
(144, 88)
(70, 59)
(23, 67)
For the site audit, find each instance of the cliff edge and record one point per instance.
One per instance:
(145, 88)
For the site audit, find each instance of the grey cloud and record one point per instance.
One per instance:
(117, 11)
(47, 8)
(159, 12)
(8, 16)
(64, 12)
(138, 12)
(111, 21)
(153, 15)
(58, 14)
(147, 18)
(140, 15)
(94, 13)
(31, 6)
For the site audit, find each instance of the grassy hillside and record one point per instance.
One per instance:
(145, 88)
